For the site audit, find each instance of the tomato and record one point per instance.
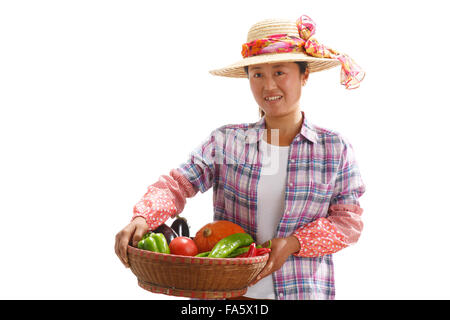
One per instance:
(183, 246)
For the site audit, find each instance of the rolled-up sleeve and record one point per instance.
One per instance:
(343, 225)
(199, 168)
(348, 186)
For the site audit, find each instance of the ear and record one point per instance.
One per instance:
(304, 77)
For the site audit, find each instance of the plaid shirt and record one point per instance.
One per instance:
(321, 197)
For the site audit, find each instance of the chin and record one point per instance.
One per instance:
(280, 112)
(275, 114)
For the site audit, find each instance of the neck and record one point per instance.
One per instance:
(288, 127)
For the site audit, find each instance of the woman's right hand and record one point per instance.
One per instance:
(131, 234)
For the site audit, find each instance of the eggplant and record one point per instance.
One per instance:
(167, 231)
(180, 226)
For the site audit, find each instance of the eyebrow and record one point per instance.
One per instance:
(273, 66)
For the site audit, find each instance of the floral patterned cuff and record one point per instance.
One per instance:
(156, 206)
(319, 238)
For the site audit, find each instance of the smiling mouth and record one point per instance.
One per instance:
(273, 98)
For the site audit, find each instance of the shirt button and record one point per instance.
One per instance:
(292, 161)
(291, 184)
(280, 294)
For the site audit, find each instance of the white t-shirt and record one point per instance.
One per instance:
(270, 206)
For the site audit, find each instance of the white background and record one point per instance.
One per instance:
(99, 98)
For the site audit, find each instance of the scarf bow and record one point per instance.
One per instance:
(351, 73)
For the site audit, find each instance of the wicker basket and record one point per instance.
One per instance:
(202, 278)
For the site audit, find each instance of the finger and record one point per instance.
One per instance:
(117, 250)
(123, 251)
(122, 243)
(139, 232)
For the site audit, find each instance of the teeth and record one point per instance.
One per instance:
(273, 98)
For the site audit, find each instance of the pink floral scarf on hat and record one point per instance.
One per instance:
(351, 73)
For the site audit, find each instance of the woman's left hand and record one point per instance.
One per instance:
(282, 248)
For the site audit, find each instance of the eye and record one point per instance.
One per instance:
(257, 75)
(279, 73)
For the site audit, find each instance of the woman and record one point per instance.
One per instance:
(281, 178)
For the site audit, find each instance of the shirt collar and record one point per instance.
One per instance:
(307, 130)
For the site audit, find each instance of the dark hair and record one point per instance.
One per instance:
(302, 65)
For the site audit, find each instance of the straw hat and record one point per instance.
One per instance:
(264, 29)
(318, 57)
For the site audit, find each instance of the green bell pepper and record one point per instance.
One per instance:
(150, 244)
(161, 242)
(147, 235)
(155, 242)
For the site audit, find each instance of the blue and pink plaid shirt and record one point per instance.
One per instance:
(322, 194)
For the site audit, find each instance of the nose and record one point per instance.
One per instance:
(269, 83)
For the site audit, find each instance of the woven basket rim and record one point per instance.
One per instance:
(195, 260)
